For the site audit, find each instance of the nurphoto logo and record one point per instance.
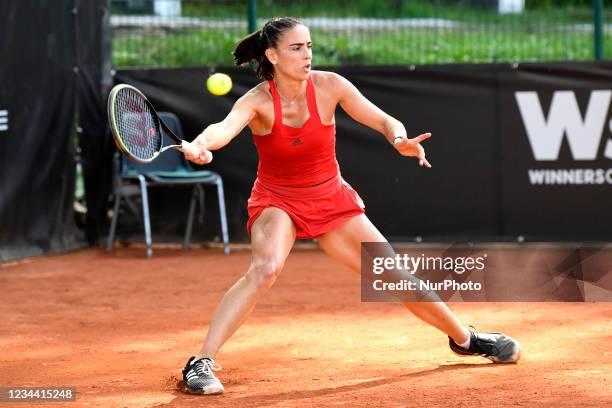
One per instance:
(485, 272)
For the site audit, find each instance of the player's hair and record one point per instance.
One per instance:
(254, 45)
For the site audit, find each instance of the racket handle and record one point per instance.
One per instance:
(191, 149)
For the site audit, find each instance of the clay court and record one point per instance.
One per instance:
(118, 328)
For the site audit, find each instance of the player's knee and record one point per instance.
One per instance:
(263, 274)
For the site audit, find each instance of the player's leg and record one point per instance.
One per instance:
(344, 244)
(272, 236)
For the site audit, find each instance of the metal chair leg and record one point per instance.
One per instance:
(113, 226)
(201, 202)
(194, 197)
(145, 214)
(223, 216)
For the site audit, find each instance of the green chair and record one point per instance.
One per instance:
(169, 169)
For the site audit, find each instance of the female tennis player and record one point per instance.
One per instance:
(299, 192)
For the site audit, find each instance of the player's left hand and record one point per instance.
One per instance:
(413, 148)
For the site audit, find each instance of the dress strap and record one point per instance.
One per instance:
(278, 113)
(311, 99)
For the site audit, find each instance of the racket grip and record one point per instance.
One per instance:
(191, 149)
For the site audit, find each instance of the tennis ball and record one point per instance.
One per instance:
(219, 84)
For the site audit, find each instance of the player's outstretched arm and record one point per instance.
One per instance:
(217, 135)
(363, 111)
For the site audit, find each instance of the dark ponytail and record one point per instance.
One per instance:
(253, 46)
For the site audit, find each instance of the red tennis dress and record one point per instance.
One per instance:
(299, 174)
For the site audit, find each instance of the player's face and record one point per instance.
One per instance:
(293, 53)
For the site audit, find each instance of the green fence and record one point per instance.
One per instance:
(175, 33)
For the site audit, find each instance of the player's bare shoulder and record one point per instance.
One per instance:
(331, 84)
(325, 79)
(257, 98)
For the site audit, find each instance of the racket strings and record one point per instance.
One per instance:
(136, 125)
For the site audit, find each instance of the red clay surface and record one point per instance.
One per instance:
(119, 328)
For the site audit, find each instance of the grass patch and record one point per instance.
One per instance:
(197, 48)
(543, 33)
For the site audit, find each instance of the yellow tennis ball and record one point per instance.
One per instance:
(219, 84)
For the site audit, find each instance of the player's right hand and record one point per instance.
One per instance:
(204, 156)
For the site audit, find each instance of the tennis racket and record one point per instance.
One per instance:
(137, 128)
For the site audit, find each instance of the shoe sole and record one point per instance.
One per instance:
(208, 391)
